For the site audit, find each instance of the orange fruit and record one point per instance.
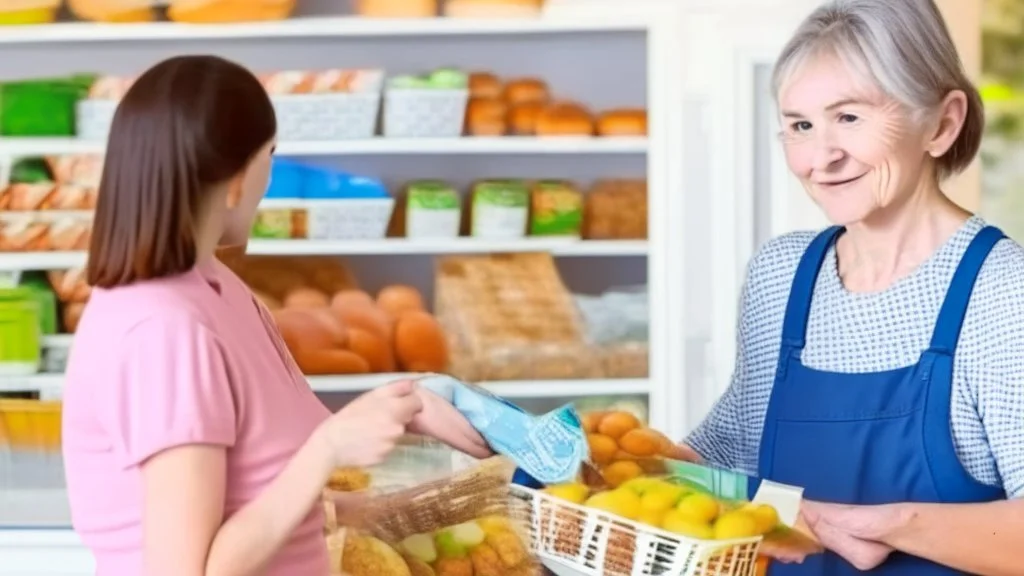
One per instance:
(616, 424)
(602, 448)
(618, 473)
(591, 421)
(642, 442)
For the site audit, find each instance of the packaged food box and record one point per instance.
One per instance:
(500, 209)
(433, 210)
(556, 209)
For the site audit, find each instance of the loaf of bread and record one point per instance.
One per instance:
(622, 122)
(564, 119)
(509, 317)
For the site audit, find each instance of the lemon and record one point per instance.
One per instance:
(701, 507)
(623, 503)
(766, 516)
(681, 523)
(574, 492)
(641, 484)
(651, 517)
(734, 525)
(660, 499)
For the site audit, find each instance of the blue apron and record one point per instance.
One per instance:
(870, 438)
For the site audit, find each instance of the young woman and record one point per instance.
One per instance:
(193, 445)
(880, 361)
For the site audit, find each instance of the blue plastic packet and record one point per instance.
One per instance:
(548, 449)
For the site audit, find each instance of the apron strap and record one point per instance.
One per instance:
(798, 308)
(958, 296)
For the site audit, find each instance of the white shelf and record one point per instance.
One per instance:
(320, 27)
(470, 145)
(51, 385)
(10, 261)
(555, 246)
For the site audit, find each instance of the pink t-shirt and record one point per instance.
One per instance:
(192, 359)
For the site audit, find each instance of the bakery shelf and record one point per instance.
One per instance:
(16, 261)
(12, 261)
(51, 384)
(375, 146)
(322, 27)
(556, 246)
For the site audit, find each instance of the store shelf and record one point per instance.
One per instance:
(51, 384)
(555, 246)
(321, 27)
(521, 145)
(10, 261)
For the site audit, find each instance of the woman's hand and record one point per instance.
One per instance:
(853, 532)
(440, 420)
(366, 430)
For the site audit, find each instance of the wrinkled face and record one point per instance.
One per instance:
(855, 150)
(245, 195)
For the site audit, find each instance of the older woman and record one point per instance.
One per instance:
(881, 361)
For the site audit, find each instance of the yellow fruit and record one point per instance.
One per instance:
(735, 524)
(680, 523)
(641, 484)
(660, 498)
(619, 502)
(766, 516)
(652, 517)
(575, 493)
(618, 473)
(699, 506)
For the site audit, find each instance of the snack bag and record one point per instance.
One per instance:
(549, 448)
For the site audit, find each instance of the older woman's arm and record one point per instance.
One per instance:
(983, 539)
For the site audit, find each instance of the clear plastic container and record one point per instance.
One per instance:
(28, 12)
(30, 445)
(228, 11)
(114, 11)
(397, 8)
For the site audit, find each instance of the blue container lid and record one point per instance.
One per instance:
(326, 184)
(363, 187)
(287, 180)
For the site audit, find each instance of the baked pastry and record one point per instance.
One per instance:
(492, 8)
(486, 117)
(484, 85)
(522, 118)
(525, 91)
(623, 122)
(564, 119)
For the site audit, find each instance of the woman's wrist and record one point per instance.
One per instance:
(321, 450)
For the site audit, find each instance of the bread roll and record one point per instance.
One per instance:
(484, 85)
(486, 117)
(623, 122)
(522, 119)
(525, 91)
(564, 119)
(420, 343)
(397, 299)
(303, 297)
(372, 348)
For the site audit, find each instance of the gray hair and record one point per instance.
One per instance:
(905, 48)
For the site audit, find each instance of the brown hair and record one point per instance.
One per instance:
(187, 124)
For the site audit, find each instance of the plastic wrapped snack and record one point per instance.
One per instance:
(550, 448)
(509, 317)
